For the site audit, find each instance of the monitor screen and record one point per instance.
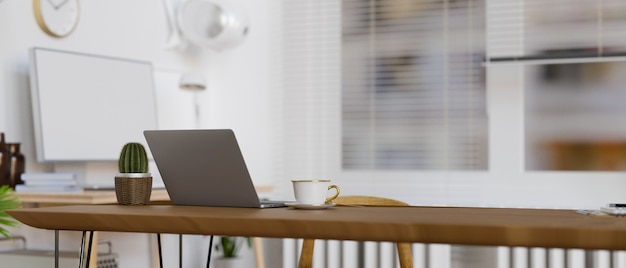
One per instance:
(86, 107)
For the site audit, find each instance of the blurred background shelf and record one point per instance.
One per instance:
(84, 197)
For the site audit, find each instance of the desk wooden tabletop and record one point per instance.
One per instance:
(447, 225)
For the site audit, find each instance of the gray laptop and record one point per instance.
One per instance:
(204, 168)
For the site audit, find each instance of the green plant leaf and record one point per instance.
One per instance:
(8, 201)
(229, 245)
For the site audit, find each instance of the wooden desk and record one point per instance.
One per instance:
(464, 226)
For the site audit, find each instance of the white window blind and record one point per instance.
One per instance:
(398, 84)
(539, 29)
(413, 85)
(573, 72)
(309, 87)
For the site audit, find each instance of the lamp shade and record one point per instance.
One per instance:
(192, 81)
(214, 24)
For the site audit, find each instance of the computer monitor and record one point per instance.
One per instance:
(86, 107)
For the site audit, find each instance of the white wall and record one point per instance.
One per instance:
(235, 98)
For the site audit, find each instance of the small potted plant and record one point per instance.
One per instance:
(230, 246)
(133, 183)
(7, 201)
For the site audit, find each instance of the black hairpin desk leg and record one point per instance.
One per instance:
(56, 248)
(160, 251)
(85, 263)
(81, 256)
(81, 260)
(89, 248)
(180, 251)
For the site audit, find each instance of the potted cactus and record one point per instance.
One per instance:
(133, 183)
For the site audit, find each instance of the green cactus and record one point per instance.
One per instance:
(133, 158)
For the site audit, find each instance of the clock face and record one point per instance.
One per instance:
(56, 17)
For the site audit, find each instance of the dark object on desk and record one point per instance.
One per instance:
(18, 164)
(204, 167)
(5, 162)
(133, 185)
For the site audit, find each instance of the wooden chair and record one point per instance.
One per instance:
(404, 249)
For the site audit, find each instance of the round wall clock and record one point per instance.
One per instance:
(57, 18)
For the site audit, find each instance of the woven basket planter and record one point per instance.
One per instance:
(133, 189)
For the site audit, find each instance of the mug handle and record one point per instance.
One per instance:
(329, 199)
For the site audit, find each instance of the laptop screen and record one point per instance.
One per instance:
(202, 167)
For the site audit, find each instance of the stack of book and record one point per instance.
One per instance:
(48, 182)
(616, 209)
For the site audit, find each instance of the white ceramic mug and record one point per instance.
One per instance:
(313, 192)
